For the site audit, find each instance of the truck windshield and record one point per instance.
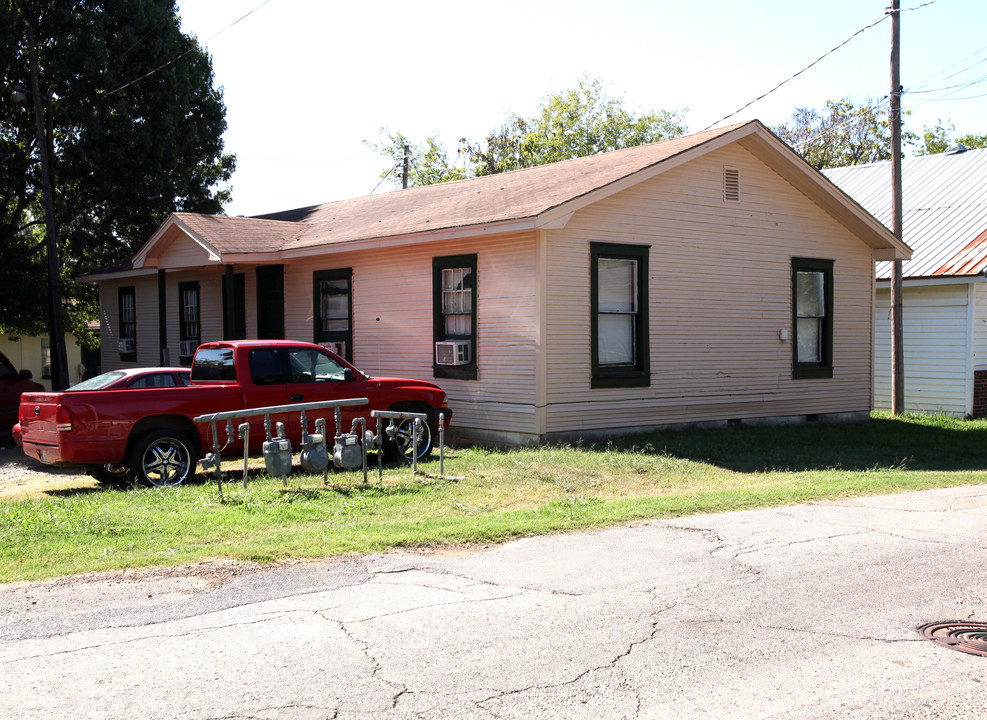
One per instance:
(214, 364)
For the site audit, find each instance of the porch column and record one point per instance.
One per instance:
(162, 320)
(229, 304)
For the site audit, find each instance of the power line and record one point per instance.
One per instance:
(191, 49)
(807, 67)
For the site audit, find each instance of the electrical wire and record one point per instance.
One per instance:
(191, 49)
(801, 144)
(878, 21)
(395, 167)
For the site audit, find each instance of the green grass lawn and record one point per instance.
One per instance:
(486, 496)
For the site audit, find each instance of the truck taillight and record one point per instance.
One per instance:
(63, 420)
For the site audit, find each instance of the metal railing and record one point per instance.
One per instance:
(314, 453)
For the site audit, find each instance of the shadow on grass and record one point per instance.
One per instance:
(74, 492)
(927, 444)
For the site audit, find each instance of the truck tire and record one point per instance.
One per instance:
(109, 474)
(162, 458)
(400, 447)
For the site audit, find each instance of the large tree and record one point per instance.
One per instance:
(572, 123)
(843, 133)
(136, 133)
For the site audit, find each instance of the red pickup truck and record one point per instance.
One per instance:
(149, 436)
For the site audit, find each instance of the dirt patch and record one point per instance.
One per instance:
(22, 476)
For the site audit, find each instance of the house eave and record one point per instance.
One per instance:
(389, 241)
(883, 283)
(145, 257)
(118, 275)
(822, 191)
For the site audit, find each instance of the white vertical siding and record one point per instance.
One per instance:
(980, 327)
(720, 291)
(936, 347)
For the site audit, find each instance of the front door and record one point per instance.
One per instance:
(270, 302)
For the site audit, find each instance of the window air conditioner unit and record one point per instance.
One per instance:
(126, 345)
(337, 348)
(187, 348)
(452, 352)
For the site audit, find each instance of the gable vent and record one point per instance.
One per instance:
(731, 184)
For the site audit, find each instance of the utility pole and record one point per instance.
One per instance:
(406, 168)
(897, 325)
(56, 332)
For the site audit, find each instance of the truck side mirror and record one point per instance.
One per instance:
(347, 374)
(26, 375)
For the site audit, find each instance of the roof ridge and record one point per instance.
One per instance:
(695, 139)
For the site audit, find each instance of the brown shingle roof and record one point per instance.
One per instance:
(244, 235)
(534, 197)
(518, 195)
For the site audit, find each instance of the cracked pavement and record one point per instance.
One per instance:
(807, 611)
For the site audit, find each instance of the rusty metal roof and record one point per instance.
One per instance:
(944, 209)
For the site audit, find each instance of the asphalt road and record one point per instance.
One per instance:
(800, 612)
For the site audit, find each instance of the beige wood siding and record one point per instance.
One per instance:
(392, 322)
(720, 291)
(146, 291)
(936, 349)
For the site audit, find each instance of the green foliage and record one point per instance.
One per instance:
(585, 121)
(844, 133)
(428, 162)
(942, 138)
(136, 126)
(573, 123)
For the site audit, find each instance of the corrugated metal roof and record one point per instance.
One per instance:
(944, 209)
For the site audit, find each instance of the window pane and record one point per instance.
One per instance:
(457, 301)
(457, 290)
(618, 285)
(335, 305)
(616, 339)
(458, 325)
(809, 340)
(809, 294)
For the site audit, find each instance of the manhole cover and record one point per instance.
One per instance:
(968, 637)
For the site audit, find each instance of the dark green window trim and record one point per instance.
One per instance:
(823, 367)
(637, 372)
(450, 262)
(320, 335)
(127, 328)
(189, 328)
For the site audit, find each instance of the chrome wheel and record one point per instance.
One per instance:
(404, 439)
(163, 459)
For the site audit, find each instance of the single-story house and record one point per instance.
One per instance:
(710, 278)
(944, 285)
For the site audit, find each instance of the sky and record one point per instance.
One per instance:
(307, 83)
